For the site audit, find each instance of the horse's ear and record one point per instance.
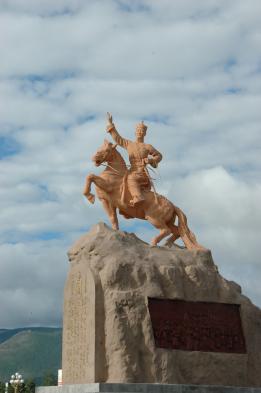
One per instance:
(114, 146)
(106, 142)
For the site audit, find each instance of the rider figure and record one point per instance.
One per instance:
(140, 154)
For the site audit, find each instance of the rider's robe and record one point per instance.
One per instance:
(138, 179)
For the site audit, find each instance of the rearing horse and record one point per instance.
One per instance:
(111, 189)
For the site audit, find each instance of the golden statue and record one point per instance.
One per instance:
(131, 190)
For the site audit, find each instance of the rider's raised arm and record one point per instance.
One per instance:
(116, 136)
(156, 156)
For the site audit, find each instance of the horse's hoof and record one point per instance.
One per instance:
(91, 198)
(153, 244)
(168, 244)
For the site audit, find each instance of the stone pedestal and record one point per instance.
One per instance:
(109, 334)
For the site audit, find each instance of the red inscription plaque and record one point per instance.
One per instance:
(196, 326)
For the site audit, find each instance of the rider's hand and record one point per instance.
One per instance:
(153, 163)
(110, 125)
(150, 161)
(109, 118)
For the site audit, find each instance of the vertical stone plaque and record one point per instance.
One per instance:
(79, 326)
(197, 326)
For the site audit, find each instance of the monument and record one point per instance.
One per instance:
(140, 314)
(131, 190)
(144, 318)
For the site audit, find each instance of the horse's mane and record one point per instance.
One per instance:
(120, 158)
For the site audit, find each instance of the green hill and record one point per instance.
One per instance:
(33, 352)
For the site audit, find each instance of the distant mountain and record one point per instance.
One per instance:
(33, 352)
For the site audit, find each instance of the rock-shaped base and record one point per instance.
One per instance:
(108, 334)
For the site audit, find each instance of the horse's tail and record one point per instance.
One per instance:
(185, 233)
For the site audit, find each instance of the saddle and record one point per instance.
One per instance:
(126, 196)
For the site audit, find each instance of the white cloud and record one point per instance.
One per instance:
(31, 283)
(192, 70)
(225, 210)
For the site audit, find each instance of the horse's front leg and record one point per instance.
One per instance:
(111, 211)
(98, 181)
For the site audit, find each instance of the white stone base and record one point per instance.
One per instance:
(144, 388)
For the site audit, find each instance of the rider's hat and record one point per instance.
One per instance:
(142, 126)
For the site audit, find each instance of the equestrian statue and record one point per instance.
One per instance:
(131, 189)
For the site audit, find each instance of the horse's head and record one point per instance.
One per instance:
(104, 153)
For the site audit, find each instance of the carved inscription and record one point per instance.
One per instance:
(196, 326)
(78, 329)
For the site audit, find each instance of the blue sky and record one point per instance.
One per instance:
(190, 69)
(8, 147)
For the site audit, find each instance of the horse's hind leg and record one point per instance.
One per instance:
(164, 230)
(111, 211)
(175, 235)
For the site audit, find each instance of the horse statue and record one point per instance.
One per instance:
(112, 190)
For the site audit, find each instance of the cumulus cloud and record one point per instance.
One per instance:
(225, 210)
(190, 70)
